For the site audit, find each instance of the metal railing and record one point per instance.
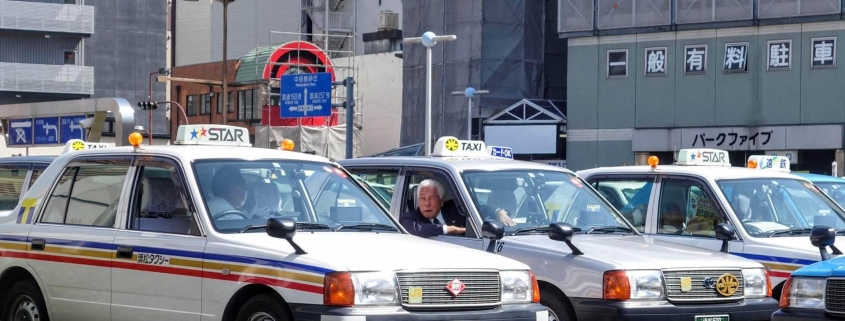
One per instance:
(338, 20)
(65, 79)
(37, 16)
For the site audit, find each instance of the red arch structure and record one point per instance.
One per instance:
(296, 52)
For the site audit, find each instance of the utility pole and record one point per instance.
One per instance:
(349, 104)
(225, 63)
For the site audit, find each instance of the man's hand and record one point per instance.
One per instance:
(455, 230)
(502, 215)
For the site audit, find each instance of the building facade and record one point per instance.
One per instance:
(750, 77)
(54, 50)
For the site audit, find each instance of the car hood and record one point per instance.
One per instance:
(368, 251)
(829, 268)
(632, 252)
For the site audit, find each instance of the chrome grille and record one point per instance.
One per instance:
(482, 289)
(834, 296)
(699, 293)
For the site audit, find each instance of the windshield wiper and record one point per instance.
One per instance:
(796, 231)
(252, 227)
(368, 227)
(536, 229)
(311, 226)
(609, 229)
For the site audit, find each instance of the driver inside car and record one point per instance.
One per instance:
(229, 189)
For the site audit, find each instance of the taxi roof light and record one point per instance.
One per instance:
(769, 163)
(212, 135)
(287, 144)
(78, 144)
(704, 157)
(450, 146)
(135, 139)
(653, 161)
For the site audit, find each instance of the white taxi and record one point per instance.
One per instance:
(772, 210)
(591, 264)
(223, 231)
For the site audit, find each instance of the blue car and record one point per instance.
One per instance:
(831, 185)
(816, 291)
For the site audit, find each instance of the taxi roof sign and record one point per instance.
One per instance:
(704, 157)
(78, 144)
(769, 163)
(450, 146)
(212, 135)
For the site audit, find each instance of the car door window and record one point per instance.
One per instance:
(686, 207)
(36, 173)
(451, 203)
(87, 194)
(11, 184)
(380, 182)
(160, 203)
(630, 196)
(336, 199)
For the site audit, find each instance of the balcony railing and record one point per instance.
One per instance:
(585, 16)
(63, 79)
(49, 17)
(338, 21)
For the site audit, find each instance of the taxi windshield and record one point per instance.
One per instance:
(771, 207)
(835, 190)
(535, 198)
(240, 195)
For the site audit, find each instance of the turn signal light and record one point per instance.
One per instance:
(784, 293)
(616, 286)
(536, 286)
(768, 283)
(338, 289)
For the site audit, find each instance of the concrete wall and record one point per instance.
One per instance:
(367, 13)
(758, 97)
(379, 99)
(250, 23)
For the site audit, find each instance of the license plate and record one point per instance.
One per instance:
(712, 318)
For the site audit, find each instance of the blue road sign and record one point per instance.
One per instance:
(20, 131)
(306, 95)
(498, 151)
(45, 131)
(70, 128)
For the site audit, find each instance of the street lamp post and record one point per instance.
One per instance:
(225, 67)
(470, 93)
(428, 39)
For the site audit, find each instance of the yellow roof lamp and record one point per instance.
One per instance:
(769, 163)
(287, 145)
(653, 161)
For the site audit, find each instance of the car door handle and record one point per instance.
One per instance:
(38, 244)
(124, 252)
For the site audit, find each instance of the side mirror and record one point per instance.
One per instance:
(492, 231)
(563, 232)
(823, 236)
(725, 233)
(284, 228)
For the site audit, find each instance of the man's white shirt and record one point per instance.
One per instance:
(441, 220)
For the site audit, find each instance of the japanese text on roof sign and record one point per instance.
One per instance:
(730, 139)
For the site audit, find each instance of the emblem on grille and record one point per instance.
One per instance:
(455, 287)
(686, 284)
(727, 284)
(710, 282)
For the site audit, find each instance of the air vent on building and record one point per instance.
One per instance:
(388, 20)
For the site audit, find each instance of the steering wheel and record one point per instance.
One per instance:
(228, 212)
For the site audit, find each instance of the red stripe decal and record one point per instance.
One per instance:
(263, 280)
(129, 265)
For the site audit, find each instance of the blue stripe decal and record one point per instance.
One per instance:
(770, 258)
(190, 254)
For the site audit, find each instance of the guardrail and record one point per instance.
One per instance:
(65, 79)
(52, 17)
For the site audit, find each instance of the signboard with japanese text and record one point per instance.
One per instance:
(792, 155)
(779, 53)
(695, 59)
(762, 138)
(655, 61)
(617, 63)
(823, 53)
(46, 131)
(306, 95)
(736, 57)
(70, 128)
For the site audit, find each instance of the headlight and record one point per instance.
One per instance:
(756, 283)
(805, 293)
(627, 285)
(516, 286)
(375, 288)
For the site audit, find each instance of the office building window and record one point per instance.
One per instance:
(190, 105)
(205, 104)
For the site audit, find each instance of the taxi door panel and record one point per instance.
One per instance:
(71, 245)
(157, 269)
(685, 211)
